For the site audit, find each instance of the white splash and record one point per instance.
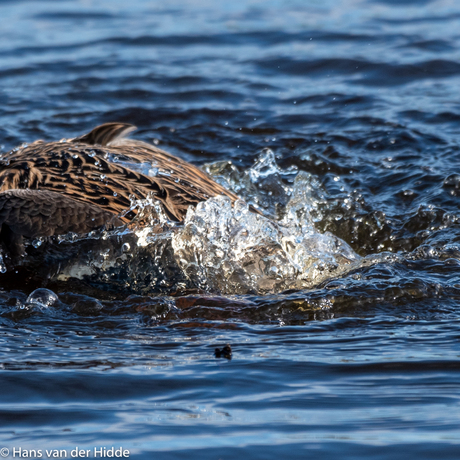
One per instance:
(231, 250)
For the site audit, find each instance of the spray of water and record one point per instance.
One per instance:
(221, 247)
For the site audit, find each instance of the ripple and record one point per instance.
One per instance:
(361, 98)
(367, 72)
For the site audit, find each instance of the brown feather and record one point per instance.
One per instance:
(105, 134)
(85, 170)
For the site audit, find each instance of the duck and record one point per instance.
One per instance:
(87, 182)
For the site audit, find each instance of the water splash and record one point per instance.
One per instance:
(221, 247)
(231, 250)
(265, 184)
(137, 257)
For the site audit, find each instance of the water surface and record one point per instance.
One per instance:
(361, 98)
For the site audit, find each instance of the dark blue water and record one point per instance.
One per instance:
(362, 94)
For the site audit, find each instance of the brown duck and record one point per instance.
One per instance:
(78, 185)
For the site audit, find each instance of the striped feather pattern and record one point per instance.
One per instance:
(81, 168)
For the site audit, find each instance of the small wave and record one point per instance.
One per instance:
(366, 72)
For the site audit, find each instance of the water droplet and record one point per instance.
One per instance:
(37, 243)
(42, 298)
(2, 265)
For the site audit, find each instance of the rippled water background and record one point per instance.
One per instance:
(362, 94)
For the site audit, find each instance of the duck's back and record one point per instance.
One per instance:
(93, 169)
(86, 169)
